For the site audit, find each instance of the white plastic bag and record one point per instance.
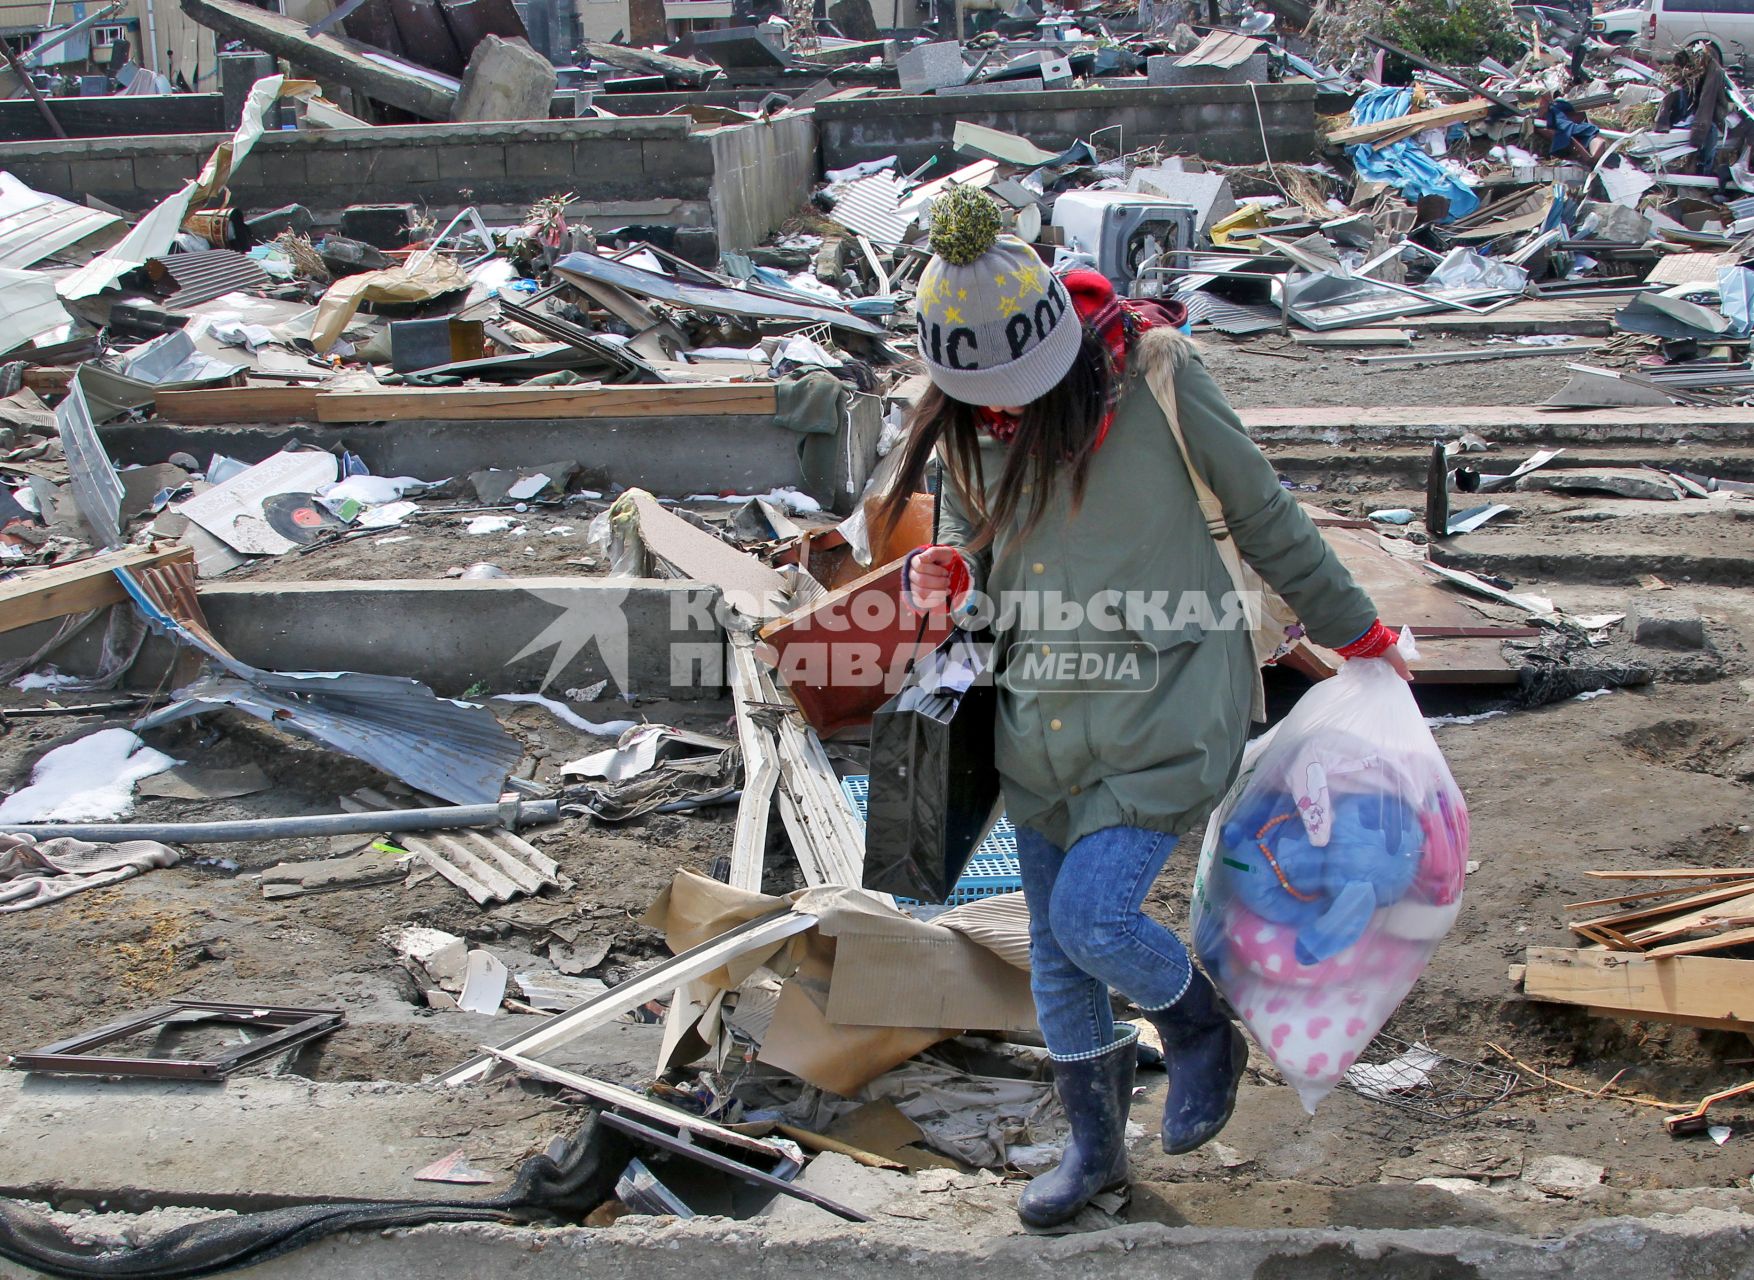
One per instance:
(1330, 872)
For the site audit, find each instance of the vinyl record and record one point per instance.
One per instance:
(297, 518)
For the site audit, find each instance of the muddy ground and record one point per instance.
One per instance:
(1648, 777)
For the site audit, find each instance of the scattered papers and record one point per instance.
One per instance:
(232, 512)
(1384, 1080)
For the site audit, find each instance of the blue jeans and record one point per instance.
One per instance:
(1087, 934)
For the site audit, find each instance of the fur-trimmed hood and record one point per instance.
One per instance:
(1163, 345)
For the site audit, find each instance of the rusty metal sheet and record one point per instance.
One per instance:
(206, 275)
(451, 749)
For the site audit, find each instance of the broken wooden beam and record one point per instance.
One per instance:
(489, 404)
(80, 587)
(330, 57)
(1690, 990)
(1407, 125)
(237, 404)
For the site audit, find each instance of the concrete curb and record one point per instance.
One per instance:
(1701, 1245)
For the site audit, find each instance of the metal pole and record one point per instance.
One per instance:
(511, 815)
(36, 94)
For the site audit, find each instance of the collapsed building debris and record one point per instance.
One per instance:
(498, 420)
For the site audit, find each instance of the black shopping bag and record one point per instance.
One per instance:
(934, 792)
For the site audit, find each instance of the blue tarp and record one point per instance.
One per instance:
(1405, 165)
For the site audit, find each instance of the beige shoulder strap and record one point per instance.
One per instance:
(1161, 380)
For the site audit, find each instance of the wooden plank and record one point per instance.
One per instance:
(1407, 125)
(488, 404)
(1677, 873)
(1638, 915)
(78, 587)
(238, 404)
(1668, 892)
(1717, 916)
(1680, 989)
(1414, 420)
(1698, 946)
(760, 763)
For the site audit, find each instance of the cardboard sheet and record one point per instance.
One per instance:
(866, 989)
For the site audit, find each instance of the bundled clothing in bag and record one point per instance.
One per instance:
(1330, 873)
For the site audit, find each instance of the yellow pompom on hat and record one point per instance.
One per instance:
(996, 327)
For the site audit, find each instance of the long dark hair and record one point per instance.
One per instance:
(1056, 437)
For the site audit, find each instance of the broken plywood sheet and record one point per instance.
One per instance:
(1405, 596)
(232, 512)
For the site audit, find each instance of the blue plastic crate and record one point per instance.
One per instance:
(992, 870)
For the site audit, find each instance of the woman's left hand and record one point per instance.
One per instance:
(1394, 658)
(1378, 642)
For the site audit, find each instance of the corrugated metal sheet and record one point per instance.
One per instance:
(29, 307)
(867, 207)
(34, 226)
(96, 489)
(720, 298)
(206, 275)
(1234, 318)
(454, 750)
(1221, 49)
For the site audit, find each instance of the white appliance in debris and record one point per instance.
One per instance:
(1124, 231)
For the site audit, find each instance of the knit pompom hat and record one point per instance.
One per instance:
(996, 326)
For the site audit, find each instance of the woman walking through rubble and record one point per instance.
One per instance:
(1070, 522)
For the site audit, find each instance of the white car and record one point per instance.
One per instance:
(1725, 26)
(1620, 26)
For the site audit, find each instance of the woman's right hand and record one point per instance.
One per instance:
(934, 574)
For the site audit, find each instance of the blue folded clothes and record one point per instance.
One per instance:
(1405, 165)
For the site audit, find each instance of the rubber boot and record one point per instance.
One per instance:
(1097, 1094)
(1204, 1054)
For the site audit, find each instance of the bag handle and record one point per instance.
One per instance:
(925, 617)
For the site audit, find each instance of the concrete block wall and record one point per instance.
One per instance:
(762, 174)
(1224, 123)
(656, 169)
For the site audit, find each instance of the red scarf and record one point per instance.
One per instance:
(1116, 321)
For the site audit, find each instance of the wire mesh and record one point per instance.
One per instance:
(1414, 1077)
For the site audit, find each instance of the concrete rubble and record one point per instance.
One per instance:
(437, 457)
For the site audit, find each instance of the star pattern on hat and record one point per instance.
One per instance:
(1031, 277)
(952, 315)
(1011, 304)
